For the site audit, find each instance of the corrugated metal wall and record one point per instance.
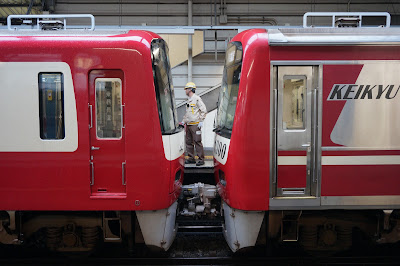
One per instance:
(216, 12)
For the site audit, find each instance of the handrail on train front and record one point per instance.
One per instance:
(47, 17)
(335, 15)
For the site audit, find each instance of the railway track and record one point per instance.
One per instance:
(192, 248)
(292, 261)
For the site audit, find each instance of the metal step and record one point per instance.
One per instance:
(112, 226)
(290, 225)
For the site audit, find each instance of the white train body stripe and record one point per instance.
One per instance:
(292, 160)
(343, 160)
(19, 108)
(360, 160)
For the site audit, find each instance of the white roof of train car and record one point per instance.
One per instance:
(334, 36)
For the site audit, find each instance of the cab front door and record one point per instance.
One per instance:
(107, 133)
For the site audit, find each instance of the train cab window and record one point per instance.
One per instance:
(51, 106)
(164, 87)
(229, 89)
(294, 102)
(108, 108)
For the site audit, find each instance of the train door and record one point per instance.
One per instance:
(295, 131)
(107, 134)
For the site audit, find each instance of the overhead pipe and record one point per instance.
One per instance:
(190, 42)
(215, 32)
(215, 12)
(252, 20)
(211, 15)
(28, 12)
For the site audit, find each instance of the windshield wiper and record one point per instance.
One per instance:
(172, 131)
(223, 128)
(226, 128)
(217, 129)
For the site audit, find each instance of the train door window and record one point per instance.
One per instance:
(51, 106)
(108, 108)
(294, 102)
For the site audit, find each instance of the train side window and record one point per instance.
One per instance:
(294, 102)
(108, 108)
(51, 105)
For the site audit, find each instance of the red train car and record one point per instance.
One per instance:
(89, 141)
(308, 136)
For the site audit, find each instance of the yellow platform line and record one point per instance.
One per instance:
(210, 157)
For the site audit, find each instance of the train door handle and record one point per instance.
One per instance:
(92, 174)
(90, 116)
(95, 148)
(122, 115)
(123, 174)
(308, 146)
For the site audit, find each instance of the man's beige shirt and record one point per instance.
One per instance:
(195, 111)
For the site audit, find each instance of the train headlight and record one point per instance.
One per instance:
(221, 176)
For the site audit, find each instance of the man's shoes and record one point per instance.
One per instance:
(200, 163)
(190, 161)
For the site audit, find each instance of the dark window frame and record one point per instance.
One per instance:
(160, 43)
(43, 118)
(221, 127)
(120, 109)
(287, 108)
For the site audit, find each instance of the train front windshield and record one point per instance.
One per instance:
(229, 89)
(164, 87)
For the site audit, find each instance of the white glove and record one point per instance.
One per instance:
(200, 125)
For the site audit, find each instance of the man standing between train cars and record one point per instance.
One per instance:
(193, 119)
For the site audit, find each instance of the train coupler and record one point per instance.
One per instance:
(198, 200)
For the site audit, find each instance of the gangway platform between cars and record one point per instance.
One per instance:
(206, 168)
